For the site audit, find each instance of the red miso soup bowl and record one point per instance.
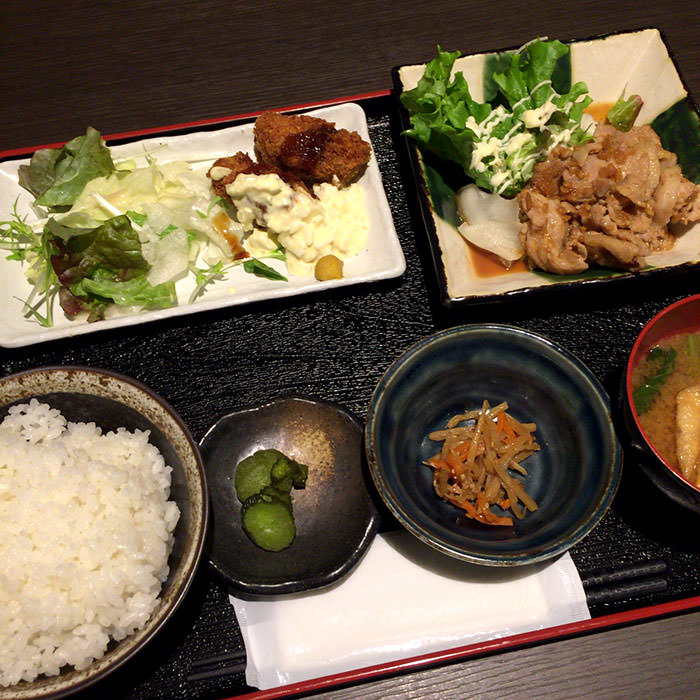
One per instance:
(680, 317)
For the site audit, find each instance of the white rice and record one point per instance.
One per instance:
(85, 533)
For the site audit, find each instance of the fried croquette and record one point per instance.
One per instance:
(310, 148)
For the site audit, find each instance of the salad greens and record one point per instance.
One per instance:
(32, 248)
(56, 176)
(498, 142)
(254, 266)
(260, 269)
(105, 265)
(117, 235)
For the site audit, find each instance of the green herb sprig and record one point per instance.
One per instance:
(31, 247)
(644, 395)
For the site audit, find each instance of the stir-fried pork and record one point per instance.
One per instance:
(608, 202)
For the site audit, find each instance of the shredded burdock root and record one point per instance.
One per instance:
(471, 469)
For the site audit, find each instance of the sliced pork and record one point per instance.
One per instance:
(608, 202)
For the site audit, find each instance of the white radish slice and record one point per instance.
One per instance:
(490, 222)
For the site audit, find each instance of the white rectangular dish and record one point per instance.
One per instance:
(382, 257)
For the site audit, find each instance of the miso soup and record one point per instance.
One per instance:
(672, 366)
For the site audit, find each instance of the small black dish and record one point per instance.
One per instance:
(335, 516)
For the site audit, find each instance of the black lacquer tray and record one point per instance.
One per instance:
(336, 345)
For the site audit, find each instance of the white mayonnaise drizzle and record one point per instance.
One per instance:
(501, 154)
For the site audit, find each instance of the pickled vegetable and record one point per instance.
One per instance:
(264, 482)
(328, 267)
(269, 522)
(254, 473)
(286, 473)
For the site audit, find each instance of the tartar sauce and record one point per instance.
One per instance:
(334, 222)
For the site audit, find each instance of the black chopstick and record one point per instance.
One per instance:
(631, 589)
(209, 666)
(236, 655)
(216, 672)
(601, 577)
(627, 581)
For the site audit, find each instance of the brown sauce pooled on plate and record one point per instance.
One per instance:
(222, 224)
(487, 265)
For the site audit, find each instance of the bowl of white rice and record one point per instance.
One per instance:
(103, 515)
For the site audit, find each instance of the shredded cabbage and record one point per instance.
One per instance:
(172, 208)
(116, 234)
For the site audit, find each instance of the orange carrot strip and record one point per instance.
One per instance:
(504, 426)
(461, 450)
(455, 464)
(499, 520)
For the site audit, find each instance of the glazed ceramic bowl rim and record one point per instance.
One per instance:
(100, 668)
(397, 508)
(676, 475)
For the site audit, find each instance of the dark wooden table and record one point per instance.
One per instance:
(144, 64)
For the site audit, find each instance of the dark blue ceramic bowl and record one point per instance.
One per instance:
(573, 478)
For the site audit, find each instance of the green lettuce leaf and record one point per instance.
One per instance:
(102, 266)
(439, 109)
(114, 246)
(133, 292)
(497, 143)
(56, 176)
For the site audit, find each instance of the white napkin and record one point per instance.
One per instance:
(403, 599)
